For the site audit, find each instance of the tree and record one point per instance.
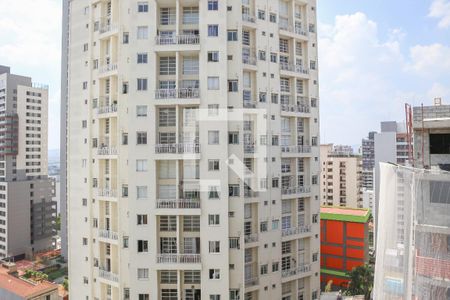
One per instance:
(66, 284)
(361, 281)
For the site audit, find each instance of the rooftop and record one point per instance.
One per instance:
(24, 288)
(356, 215)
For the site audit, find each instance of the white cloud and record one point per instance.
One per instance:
(438, 90)
(440, 9)
(30, 38)
(430, 60)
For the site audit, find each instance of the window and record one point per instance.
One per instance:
(213, 83)
(233, 190)
(214, 297)
(264, 269)
(141, 192)
(275, 140)
(262, 97)
(142, 84)
(275, 267)
(439, 143)
(190, 65)
(190, 15)
(232, 35)
(312, 64)
(168, 277)
(167, 117)
(233, 85)
(213, 165)
(169, 294)
(142, 32)
(141, 111)
(213, 110)
(275, 224)
(213, 4)
(142, 246)
(213, 56)
(284, 46)
(142, 58)
(262, 55)
(142, 7)
(168, 223)
(246, 38)
(315, 218)
(124, 138)
(213, 137)
(214, 246)
(273, 18)
(167, 15)
(213, 30)
(315, 257)
(126, 38)
(214, 274)
(144, 297)
(191, 223)
(263, 226)
(213, 219)
(141, 138)
(142, 273)
(167, 65)
(233, 138)
(261, 14)
(273, 57)
(142, 219)
(141, 165)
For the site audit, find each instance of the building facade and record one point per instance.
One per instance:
(27, 209)
(193, 158)
(341, 176)
(368, 160)
(344, 243)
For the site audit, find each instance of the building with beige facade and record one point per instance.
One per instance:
(341, 182)
(193, 158)
(27, 209)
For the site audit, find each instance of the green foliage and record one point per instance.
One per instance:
(66, 284)
(58, 222)
(361, 281)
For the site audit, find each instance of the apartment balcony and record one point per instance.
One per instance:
(108, 276)
(108, 235)
(170, 258)
(178, 40)
(252, 281)
(251, 238)
(107, 70)
(295, 191)
(108, 28)
(111, 194)
(299, 149)
(302, 269)
(295, 231)
(249, 60)
(178, 207)
(107, 111)
(291, 30)
(107, 151)
(296, 109)
(293, 68)
(249, 104)
(178, 94)
(249, 18)
(182, 148)
(251, 196)
(249, 148)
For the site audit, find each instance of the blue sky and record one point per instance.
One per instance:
(375, 55)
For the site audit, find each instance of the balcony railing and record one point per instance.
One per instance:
(249, 60)
(248, 18)
(107, 109)
(108, 27)
(178, 258)
(184, 93)
(107, 193)
(107, 68)
(296, 149)
(108, 275)
(296, 271)
(295, 230)
(185, 39)
(250, 194)
(177, 148)
(249, 104)
(178, 203)
(249, 148)
(299, 30)
(295, 108)
(108, 234)
(251, 281)
(296, 190)
(107, 150)
(293, 68)
(251, 238)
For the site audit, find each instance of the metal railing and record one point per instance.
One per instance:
(295, 108)
(248, 18)
(296, 190)
(178, 258)
(299, 30)
(249, 148)
(177, 148)
(108, 234)
(107, 193)
(295, 230)
(107, 150)
(108, 275)
(296, 271)
(249, 60)
(107, 68)
(186, 39)
(293, 68)
(107, 109)
(249, 104)
(108, 27)
(184, 93)
(178, 203)
(251, 238)
(296, 149)
(251, 281)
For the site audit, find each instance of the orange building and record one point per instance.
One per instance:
(344, 243)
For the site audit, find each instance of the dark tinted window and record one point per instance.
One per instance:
(440, 143)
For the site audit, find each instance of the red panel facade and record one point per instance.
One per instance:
(335, 232)
(355, 230)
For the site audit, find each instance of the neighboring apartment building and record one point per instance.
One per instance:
(27, 210)
(368, 160)
(344, 243)
(341, 176)
(166, 99)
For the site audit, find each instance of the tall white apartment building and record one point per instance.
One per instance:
(341, 176)
(27, 209)
(193, 158)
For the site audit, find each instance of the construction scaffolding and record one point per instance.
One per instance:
(413, 246)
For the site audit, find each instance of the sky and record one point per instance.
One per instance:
(374, 56)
